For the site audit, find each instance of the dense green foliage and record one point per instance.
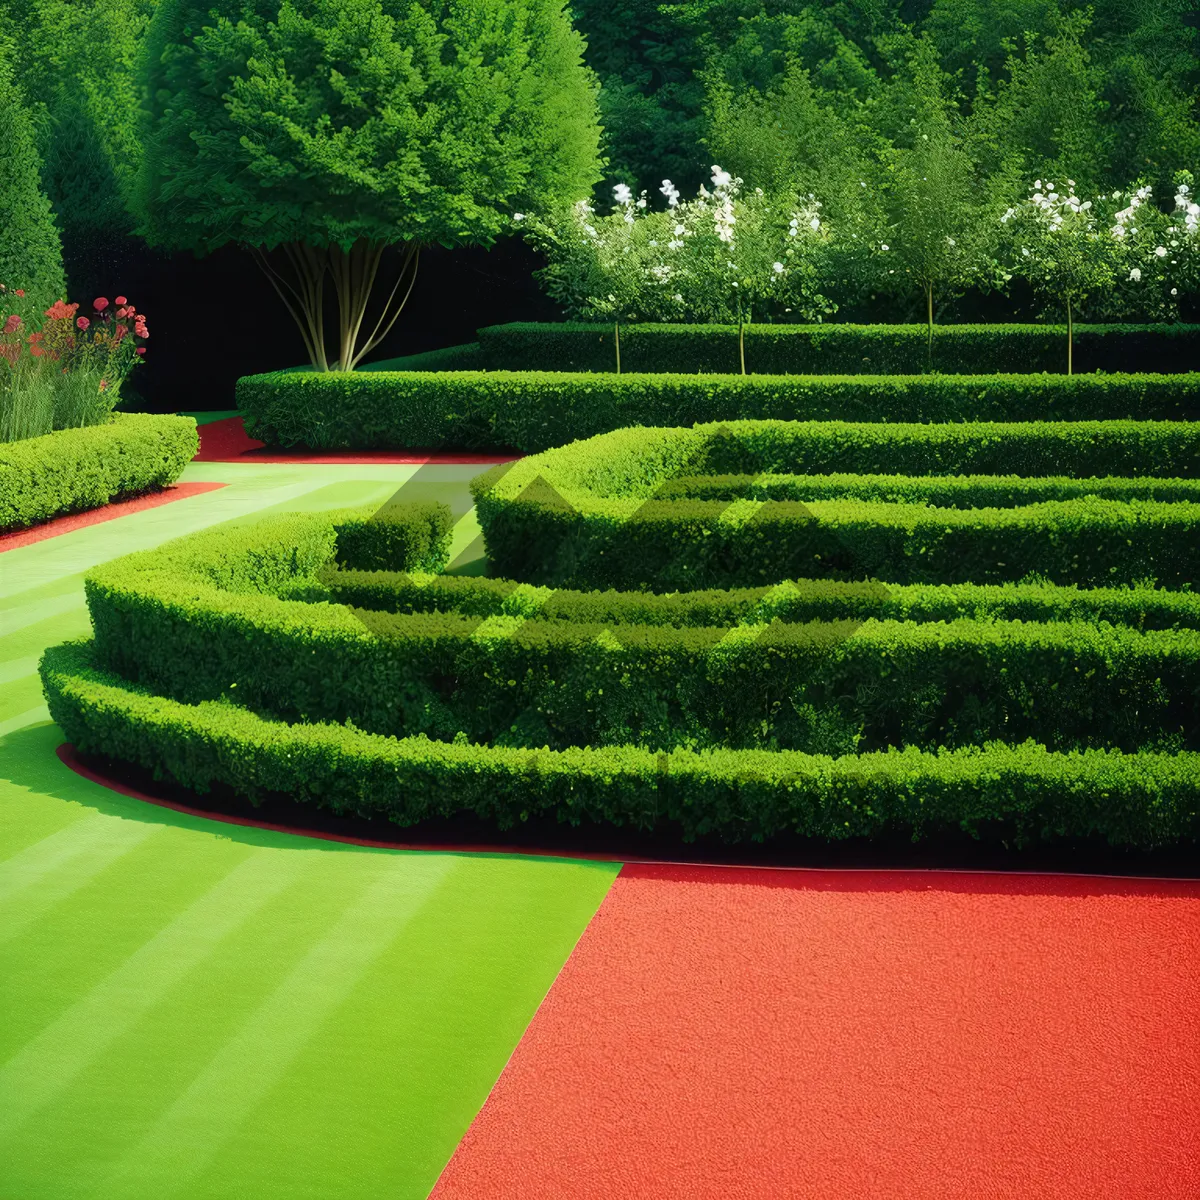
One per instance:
(593, 514)
(794, 600)
(337, 120)
(792, 88)
(1010, 792)
(75, 60)
(83, 468)
(534, 411)
(30, 252)
(840, 349)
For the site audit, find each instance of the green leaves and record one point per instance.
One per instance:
(325, 122)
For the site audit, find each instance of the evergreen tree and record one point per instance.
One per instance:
(30, 252)
(334, 129)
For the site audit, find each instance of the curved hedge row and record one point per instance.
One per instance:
(168, 622)
(944, 491)
(1013, 793)
(794, 600)
(589, 515)
(77, 469)
(534, 411)
(840, 349)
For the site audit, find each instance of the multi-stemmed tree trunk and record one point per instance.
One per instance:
(354, 273)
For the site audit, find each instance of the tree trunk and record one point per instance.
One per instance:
(741, 337)
(617, 343)
(354, 274)
(1070, 339)
(303, 295)
(929, 316)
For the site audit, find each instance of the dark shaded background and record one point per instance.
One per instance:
(214, 319)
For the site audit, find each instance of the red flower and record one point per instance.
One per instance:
(83, 322)
(35, 345)
(120, 332)
(12, 324)
(141, 349)
(19, 292)
(103, 384)
(59, 311)
(120, 300)
(141, 331)
(100, 303)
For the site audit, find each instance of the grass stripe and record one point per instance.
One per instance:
(29, 717)
(225, 1093)
(47, 1065)
(18, 668)
(49, 872)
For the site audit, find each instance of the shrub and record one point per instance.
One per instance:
(840, 349)
(534, 411)
(590, 514)
(83, 468)
(1013, 793)
(166, 620)
(792, 600)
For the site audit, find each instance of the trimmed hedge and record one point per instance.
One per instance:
(1009, 793)
(448, 358)
(588, 515)
(77, 469)
(167, 621)
(534, 411)
(793, 600)
(945, 491)
(840, 349)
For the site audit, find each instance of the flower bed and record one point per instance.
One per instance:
(77, 469)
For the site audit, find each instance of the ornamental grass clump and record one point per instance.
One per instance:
(726, 257)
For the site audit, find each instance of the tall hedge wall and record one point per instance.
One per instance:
(535, 411)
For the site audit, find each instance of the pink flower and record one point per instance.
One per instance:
(100, 303)
(120, 300)
(141, 331)
(12, 324)
(61, 311)
(19, 292)
(82, 322)
(141, 349)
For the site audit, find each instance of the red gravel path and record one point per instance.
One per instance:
(107, 512)
(733, 1033)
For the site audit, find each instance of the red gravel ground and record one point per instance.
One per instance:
(723, 1032)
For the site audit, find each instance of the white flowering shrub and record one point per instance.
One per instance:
(726, 256)
(1067, 252)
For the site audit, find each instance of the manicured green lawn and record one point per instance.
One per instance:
(200, 1010)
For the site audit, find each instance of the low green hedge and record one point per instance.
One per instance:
(448, 358)
(1004, 792)
(793, 600)
(841, 349)
(77, 469)
(534, 411)
(166, 620)
(944, 491)
(589, 515)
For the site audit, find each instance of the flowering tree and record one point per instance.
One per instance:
(722, 257)
(1059, 244)
(334, 129)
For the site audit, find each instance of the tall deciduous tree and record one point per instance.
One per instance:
(30, 253)
(331, 130)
